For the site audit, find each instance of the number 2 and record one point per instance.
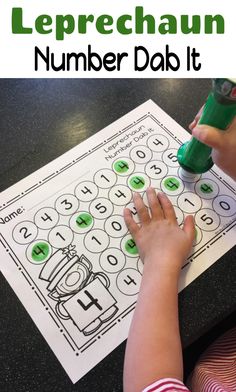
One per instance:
(25, 230)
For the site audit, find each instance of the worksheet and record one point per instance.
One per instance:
(64, 246)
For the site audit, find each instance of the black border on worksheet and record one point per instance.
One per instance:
(80, 350)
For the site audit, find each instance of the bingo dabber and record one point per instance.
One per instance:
(194, 156)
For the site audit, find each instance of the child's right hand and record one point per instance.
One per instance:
(163, 246)
(223, 144)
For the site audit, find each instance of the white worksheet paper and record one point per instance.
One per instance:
(64, 246)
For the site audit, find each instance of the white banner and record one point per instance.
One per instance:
(148, 39)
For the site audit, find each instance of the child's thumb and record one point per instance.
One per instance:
(213, 137)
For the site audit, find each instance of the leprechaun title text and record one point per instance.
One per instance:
(140, 23)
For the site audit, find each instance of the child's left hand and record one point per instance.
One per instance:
(163, 246)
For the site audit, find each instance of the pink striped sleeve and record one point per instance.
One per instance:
(167, 385)
(216, 368)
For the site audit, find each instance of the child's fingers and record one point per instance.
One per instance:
(213, 137)
(141, 209)
(155, 207)
(189, 227)
(167, 207)
(192, 124)
(196, 119)
(130, 223)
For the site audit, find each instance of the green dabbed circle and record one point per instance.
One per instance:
(137, 182)
(84, 220)
(206, 188)
(172, 184)
(131, 247)
(121, 166)
(40, 251)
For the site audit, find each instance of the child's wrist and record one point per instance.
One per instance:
(165, 268)
(159, 280)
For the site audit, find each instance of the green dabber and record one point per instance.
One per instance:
(194, 156)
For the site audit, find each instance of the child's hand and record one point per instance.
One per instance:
(223, 144)
(163, 245)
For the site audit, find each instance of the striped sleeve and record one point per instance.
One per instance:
(216, 368)
(167, 385)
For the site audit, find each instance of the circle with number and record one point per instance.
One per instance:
(128, 281)
(189, 202)
(120, 195)
(141, 154)
(38, 252)
(179, 215)
(207, 219)
(105, 178)
(25, 232)
(60, 237)
(81, 222)
(86, 191)
(138, 182)
(207, 189)
(224, 205)
(172, 185)
(156, 169)
(115, 226)
(123, 166)
(46, 218)
(112, 260)
(101, 208)
(198, 236)
(67, 204)
(96, 241)
(170, 158)
(133, 210)
(129, 246)
(158, 143)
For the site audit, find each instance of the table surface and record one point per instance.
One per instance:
(41, 119)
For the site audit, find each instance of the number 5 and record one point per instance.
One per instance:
(207, 219)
